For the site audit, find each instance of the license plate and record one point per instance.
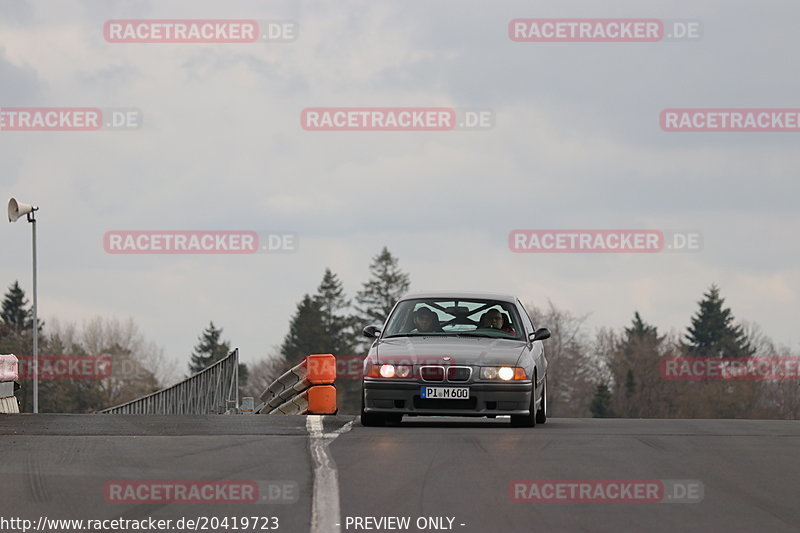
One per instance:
(445, 393)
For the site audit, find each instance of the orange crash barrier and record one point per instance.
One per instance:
(321, 369)
(305, 388)
(321, 374)
(322, 400)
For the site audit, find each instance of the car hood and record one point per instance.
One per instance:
(462, 350)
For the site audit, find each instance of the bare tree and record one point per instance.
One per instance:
(136, 364)
(573, 372)
(777, 399)
(264, 372)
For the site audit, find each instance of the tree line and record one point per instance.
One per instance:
(618, 373)
(323, 322)
(134, 362)
(605, 373)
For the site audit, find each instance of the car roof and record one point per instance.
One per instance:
(461, 295)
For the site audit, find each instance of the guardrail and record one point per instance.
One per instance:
(214, 390)
(9, 373)
(305, 389)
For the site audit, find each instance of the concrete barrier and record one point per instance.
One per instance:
(9, 373)
(303, 389)
(9, 367)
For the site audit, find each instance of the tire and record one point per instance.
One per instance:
(394, 418)
(529, 420)
(541, 414)
(371, 419)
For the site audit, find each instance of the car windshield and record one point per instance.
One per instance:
(449, 317)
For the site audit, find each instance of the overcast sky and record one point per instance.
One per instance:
(576, 144)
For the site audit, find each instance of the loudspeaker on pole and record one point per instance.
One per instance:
(18, 209)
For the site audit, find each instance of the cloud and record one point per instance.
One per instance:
(576, 144)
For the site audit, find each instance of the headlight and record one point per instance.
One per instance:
(504, 373)
(489, 372)
(389, 371)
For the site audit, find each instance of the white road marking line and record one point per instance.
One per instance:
(344, 429)
(325, 512)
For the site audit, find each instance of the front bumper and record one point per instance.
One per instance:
(403, 397)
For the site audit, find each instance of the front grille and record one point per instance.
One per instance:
(459, 373)
(427, 403)
(432, 373)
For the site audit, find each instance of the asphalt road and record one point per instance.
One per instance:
(745, 475)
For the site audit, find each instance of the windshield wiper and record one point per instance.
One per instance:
(440, 334)
(430, 334)
(471, 334)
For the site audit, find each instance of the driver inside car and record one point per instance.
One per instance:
(493, 319)
(426, 321)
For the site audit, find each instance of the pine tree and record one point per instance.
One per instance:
(387, 285)
(16, 336)
(640, 347)
(339, 336)
(630, 384)
(209, 349)
(641, 332)
(15, 316)
(713, 332)
(306, 334)
(632, 365)
(601, 403)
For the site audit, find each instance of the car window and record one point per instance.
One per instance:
(526, 319)
(479, 317)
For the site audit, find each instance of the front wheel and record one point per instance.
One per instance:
(529, 420)
(394, 418)
(541, 414)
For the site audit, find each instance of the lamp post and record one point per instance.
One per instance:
(15, 211)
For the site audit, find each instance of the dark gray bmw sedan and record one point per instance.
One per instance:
(456, 354)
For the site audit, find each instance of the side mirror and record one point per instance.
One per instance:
(540, 334)
(372, 331)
